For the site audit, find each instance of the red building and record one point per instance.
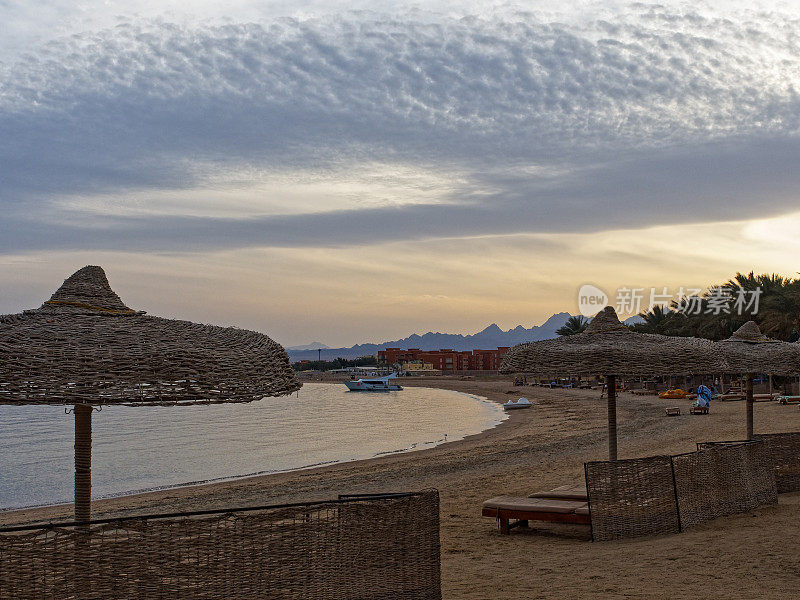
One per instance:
(447, 359)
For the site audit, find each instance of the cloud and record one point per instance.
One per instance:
(538, 125)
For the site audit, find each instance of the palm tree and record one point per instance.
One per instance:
(778, 309)
(656, 320)
(779, 312)
(573, 325)
(772, 300)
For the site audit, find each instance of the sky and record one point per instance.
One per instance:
(360, 171)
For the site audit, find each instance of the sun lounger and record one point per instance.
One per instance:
(522, 510)
(673, 411)
(789, 399)
(571, 491)
(564, 504)
(729, 397)
(698, 410)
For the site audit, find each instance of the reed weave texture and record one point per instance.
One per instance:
(723, 479)
(608, 347)
(784, 450)
(368, 548)
(631, 498)
(85, 346)
(750, 351)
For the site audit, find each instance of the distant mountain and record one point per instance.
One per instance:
(311, 346)
(489, 338)
(634, 320)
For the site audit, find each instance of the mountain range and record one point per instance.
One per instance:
(489, 338)
(311, 346)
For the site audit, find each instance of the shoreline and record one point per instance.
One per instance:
(537, 449)
(231, 478)
(30, 514)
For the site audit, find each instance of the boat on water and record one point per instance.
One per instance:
(374, 384)
(516, 404)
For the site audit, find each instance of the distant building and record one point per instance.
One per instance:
(418, 367)
(446, 359)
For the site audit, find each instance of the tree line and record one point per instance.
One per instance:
(336, 363)
(771, 300)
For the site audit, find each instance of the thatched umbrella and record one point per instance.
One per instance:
(750, 351)
(84, 347)
(609, 348)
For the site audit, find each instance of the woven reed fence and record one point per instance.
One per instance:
(630, 498)
(381, 548)
(784, 449)
(723, 479)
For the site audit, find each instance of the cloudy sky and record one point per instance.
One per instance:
(358, 171)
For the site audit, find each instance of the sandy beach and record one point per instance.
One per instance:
(753, 555)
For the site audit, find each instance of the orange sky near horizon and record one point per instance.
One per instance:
(382, 292)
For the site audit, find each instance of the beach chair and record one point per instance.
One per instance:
(564, 504)
(522, 510)
(673, 411)
(570, 491)
(766, 397)
(698, 410)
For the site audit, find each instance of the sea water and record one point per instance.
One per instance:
(153, 447)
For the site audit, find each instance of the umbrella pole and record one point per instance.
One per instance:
(749, 395)
(611, 381)
(83, 462)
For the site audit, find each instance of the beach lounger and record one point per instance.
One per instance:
(729, 397)
(571, 491)
(522, 510)
(564, 504)
(673, 411)
(698, 410)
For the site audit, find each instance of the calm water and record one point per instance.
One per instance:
(145, 448)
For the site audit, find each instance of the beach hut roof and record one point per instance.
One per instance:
(750, 351)
(85, 346)
(608, 347)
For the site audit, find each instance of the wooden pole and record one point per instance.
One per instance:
(611, 380)
(749, 395)
(83, 463)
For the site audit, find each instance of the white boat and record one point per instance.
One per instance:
(514, 404)
(374, 384)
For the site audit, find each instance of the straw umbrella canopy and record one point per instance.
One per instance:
(749, 351)
(609, 348)
(84, 347)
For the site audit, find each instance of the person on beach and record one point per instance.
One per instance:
(703, 398)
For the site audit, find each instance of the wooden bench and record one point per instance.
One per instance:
(564, 504)
(766, 397)
(570, 491)
(673, 411)
(506, 508)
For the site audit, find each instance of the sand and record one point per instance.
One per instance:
(753, 555)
